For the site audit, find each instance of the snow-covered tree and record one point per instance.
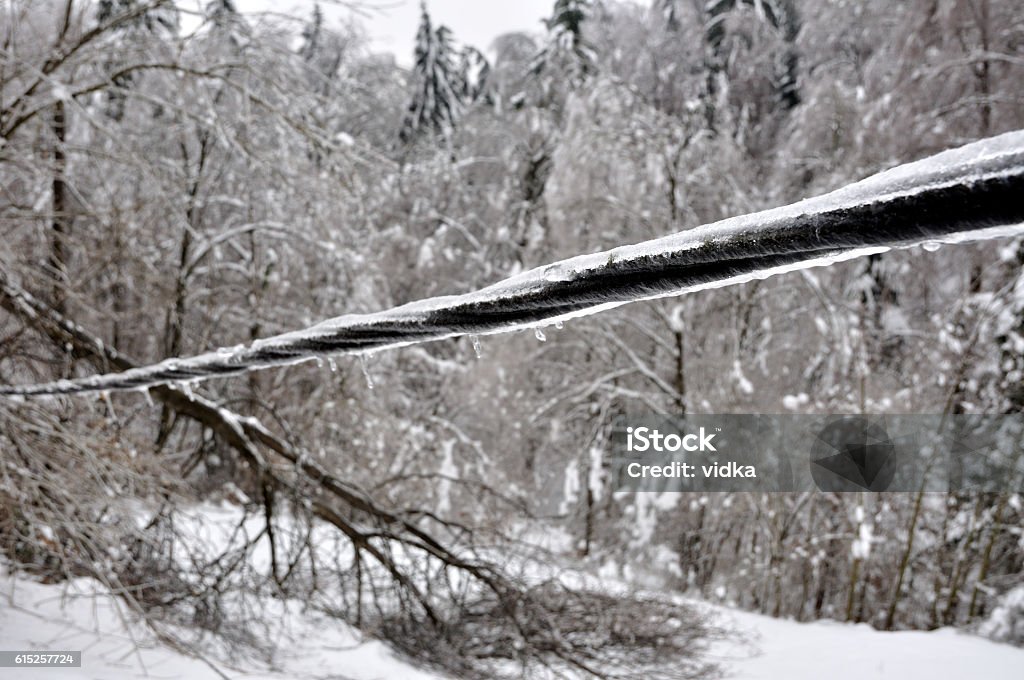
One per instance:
(251, 185)
(147, 22)
(312, 35)
(567, 52)
(435, 103)
(473, 73)
(780, 15)
(152, 16)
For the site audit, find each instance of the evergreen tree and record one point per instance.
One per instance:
(312, 35)
(221, 11)
(157, 21)
(322, 49)
(435, 102)
(227, 20)
(474, 69)
(670, 10)
(566, 48)
(780, 14)
(160, 17)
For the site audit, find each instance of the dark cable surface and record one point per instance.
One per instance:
(974, 192)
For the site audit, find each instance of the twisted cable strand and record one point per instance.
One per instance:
(970, 193)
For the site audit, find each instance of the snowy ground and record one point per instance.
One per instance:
(75, 616)
(838, 651)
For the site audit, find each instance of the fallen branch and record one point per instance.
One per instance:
(547, 626)
(245, 435)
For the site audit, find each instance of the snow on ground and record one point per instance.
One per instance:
(78, 616)
(35, 616)
(838, 651)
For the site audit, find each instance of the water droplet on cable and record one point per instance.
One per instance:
(475, 339)
(931, 246)
(110, 406)
(366, 371)
(540, 334)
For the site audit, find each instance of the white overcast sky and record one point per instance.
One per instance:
(391, 24)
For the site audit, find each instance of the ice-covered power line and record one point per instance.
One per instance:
(971, 193)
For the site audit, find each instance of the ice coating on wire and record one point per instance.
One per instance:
(969, 193)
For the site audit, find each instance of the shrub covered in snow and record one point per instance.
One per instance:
(1006, 624)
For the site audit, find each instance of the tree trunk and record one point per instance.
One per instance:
(60, 224)
(901, 573)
